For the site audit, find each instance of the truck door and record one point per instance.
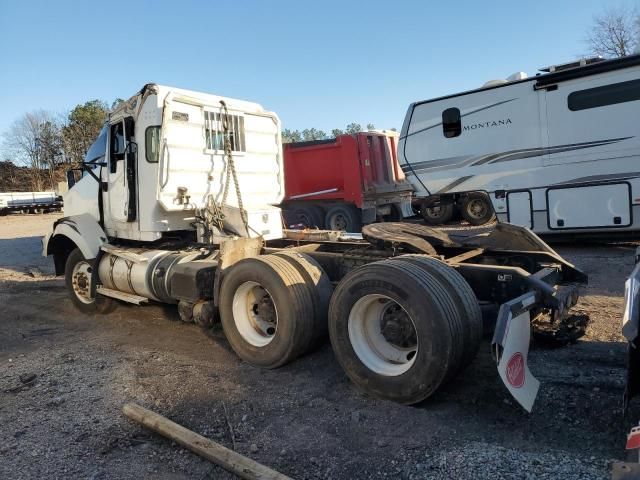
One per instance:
(122, 169)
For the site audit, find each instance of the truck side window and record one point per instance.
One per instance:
(451, 124)
(152, 144)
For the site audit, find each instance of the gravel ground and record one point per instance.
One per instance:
(305, 419)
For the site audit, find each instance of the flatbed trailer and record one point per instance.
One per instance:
(164, 218)
(29, 202)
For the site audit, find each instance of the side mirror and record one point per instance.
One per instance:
(71, 178)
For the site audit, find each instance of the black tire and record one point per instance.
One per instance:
(464, 299)
(344, 217)
(395, 215)
(435, 213)
(477, 209)
(311, 216)
(81, 282)
(431, 311)
(292, 302)
(321, 290)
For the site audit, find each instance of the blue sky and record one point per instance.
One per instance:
(317, 64)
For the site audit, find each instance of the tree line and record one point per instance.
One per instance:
(45, 144)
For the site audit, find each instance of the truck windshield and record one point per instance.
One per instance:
(98, 150)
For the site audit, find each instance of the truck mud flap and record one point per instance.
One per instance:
(510, 348)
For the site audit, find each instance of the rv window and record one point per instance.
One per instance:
(451, 125)
(214, 131)
(152, 144)
(605, 95)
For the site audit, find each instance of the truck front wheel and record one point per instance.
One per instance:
(77, 276)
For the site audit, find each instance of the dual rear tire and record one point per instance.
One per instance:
(273, 308)
(401, 328)
(474, 207)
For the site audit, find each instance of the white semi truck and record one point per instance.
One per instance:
(177, 206)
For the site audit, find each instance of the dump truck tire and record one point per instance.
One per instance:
(477, 209)
(464, 298)
(390, 328)
(77, 277)
(321, 290)
(311, 216)
(267, 311)
(434, 214)
(344, 217)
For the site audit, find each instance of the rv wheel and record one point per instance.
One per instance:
(436, 213)
(477, 209)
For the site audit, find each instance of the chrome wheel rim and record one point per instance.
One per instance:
(81, 282)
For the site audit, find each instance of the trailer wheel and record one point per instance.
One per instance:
(464, 298)
(267, 311)
(435, 213)
(77, 277)
(391, 330)
(311, 216)
(344, 217)
(320, 287)
(477, 209)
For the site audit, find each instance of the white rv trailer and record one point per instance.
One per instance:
(557, 153)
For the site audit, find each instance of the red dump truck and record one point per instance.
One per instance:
(345, 182)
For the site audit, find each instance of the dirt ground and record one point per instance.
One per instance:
(305, 419)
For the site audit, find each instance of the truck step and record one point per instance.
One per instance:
(125, 297)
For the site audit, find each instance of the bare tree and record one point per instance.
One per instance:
(34, 141)
(614, 33)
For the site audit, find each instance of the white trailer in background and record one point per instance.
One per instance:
(29, 202)
(558, 153)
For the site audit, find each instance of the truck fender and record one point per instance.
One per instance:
(76, 231)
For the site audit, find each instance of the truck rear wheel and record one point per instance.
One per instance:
(267, 311)
(436, 213)
(77, 277)
(465, 300)
(390, 326)
(320, 287)
(477, 209)
(344, 217)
